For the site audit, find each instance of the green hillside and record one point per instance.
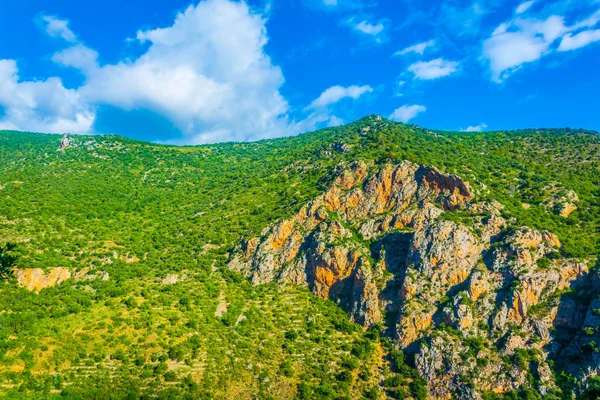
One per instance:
(171, 320)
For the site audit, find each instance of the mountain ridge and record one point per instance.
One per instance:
(366, 118)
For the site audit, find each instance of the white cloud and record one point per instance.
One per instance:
(524, 7)
(508, 51)
(589, 22)
(320, 113)
(335, 121)
(433, 69)
(417, 48)
(550, 29)
(406, 113)
(582, 39)
(519, 42)
(476, 128)
(78, 56)
(368, 28)
(524, 40)
(208, 73)
(58, 28)
(41, 106)
(337, 93)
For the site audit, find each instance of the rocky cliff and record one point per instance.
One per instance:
(481, 305)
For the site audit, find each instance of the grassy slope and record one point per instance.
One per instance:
(180, 209)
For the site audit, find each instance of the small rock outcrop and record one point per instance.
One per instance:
(172, 279)
(408, 247)
(64, 142)
(564, 203)
(36, 279)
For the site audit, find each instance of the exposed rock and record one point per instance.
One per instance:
(448, 249)
(511, 343)
(129, 259)
(222, 306)
(323, 245)
(565, 209)
(85, 274)
(341, 147)
(172, 279)
(36, 279)
(240, 319)
(478, 285)
(377, 241)
(64, 142)
(563, 203)
(444, 361)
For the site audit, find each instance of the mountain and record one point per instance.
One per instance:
(376, 260)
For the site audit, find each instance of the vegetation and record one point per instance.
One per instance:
(8, 260)
(142, 212)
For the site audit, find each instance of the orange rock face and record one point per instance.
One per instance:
(379, 243)
(372, 204)
(35, 279)
(282, 232)
(412, 326)
(477, 287)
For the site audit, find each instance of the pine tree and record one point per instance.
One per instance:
(8, 260)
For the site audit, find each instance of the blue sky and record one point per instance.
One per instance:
(219, 70)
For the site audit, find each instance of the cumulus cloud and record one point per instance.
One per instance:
(476, 128)
(417, 48)
(433, 69)
(41, 106)
(337, 93)
(406, 113)
(524, 40)
(208, 73)
(509, 50)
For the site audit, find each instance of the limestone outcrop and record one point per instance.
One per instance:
(408, 247)
(36, 279)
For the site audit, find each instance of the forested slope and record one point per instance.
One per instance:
(146, 305)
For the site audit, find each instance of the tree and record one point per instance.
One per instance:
(8, 260)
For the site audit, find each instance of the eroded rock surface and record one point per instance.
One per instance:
(407, 246)
(36, 279)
